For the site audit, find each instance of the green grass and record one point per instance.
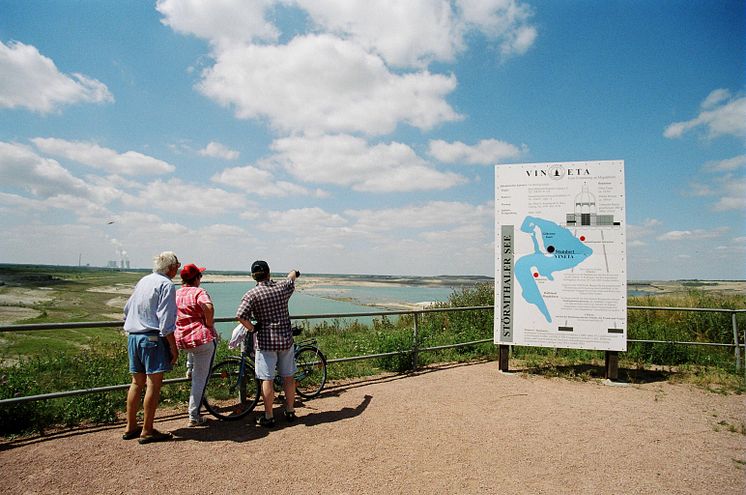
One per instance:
(49, 361)
(70, 301)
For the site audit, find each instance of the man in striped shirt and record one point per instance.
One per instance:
(267, 304)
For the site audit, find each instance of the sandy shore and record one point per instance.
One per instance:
(16, 303)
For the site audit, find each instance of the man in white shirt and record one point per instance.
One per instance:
(150, 321)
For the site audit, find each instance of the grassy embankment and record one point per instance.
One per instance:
(64, 360)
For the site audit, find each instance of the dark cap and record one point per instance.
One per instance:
(190, 271)
(259, 266)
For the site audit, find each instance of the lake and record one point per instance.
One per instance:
(326, 299)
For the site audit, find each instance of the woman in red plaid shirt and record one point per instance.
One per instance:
(195, 333)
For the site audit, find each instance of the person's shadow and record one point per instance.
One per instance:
(240, 431)
(318, 418)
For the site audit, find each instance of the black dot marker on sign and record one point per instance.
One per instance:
(550, 249)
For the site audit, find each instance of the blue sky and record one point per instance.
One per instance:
(355, 136)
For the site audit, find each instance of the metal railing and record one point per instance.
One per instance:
(414, 350)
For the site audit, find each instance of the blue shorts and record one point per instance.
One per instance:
(266, 361)
(149, 353)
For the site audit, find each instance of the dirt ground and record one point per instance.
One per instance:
(453, 429)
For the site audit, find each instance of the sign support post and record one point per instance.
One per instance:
(504, 355)
(611, 365)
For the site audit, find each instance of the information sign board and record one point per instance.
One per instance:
(560, 255)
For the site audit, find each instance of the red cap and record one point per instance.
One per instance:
(191, 271)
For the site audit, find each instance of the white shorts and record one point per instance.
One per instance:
(266, 362)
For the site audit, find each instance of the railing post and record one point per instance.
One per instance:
(414, 341)
(735, 340)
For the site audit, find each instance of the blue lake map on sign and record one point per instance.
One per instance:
(555, 249)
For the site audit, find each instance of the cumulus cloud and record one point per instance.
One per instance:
(259, 182)
(486, 152)
(302, 219)
(639, 235)
(310, 228)
(432, 214)
(319, 83)
(93, 155)
(21, 167)
(725, 184)
(345, 160)
(170, 196)
(695, 234)
(333, 73)
(504, 20)
(223, 23)
(727, 165)
(405, 34)
(217, 150)
(31, 80)
(721, 115)
(732, 194)
(222, 230)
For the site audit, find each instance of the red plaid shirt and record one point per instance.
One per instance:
(267, 303)
(191, 330)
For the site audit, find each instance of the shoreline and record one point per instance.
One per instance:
(22, 293)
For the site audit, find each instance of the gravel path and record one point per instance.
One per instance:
(456, 429)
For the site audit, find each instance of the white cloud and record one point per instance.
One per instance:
(20, 203)
(223, 230)
(715, 98)
(506, 20)
(722, 115)
(640, 235)
(21, 167)
(174, 194)
(729, 189)
(217, 150)
(257, 182)
(416, 217)
(309, 228)
(93, 155)
(726, 165)
(350, 161)
(31, 80)
(222, 22)
(486, 152)
(319, 83)
(87, 211)
(732, 194)
(301, 220)
(406, 34)
(696, 234)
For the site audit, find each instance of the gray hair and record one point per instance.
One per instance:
(164, 261)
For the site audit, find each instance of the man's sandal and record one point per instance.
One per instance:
(131, 435)
(290, 416)
(156, 436)
(264, 421)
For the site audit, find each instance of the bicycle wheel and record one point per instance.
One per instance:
(229, 394)
(311, 374)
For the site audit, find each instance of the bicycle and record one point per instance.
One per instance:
(233, 391)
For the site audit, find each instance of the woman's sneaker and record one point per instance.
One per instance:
(201, 421)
